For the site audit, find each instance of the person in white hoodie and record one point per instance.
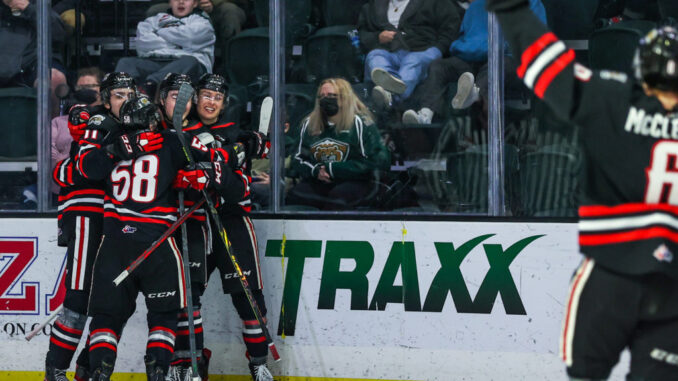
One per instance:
(180, 42)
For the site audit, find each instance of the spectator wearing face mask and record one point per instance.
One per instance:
(339, 150)
(86, 92)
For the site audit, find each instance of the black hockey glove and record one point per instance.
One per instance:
(128, 147)
(233, 155)
(256, 144)
(504, 5)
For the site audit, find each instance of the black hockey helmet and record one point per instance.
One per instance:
(213, 82)
(656, 61)
(139, 114)
(116, 80)
(173, 81)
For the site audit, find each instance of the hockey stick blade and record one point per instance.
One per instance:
(123, 275)
(265, 115)
(39, 328)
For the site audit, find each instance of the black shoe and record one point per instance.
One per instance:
(53, 374)
(103, 373)
(153, 371)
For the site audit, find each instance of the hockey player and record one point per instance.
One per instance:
(80, 222)
(139, 168)
(212, 99)
(624, 292)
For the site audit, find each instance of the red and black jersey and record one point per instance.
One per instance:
(629, 212)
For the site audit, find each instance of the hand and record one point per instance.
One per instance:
(206, 5)
(262, 178)
(78, 116)
(197, 179)
(16, 4)
(149, 141)
(504, 5)
(386, 36)
(324, 176)
(169, 21)
(256, 144)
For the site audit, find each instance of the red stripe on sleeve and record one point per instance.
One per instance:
(552, 71)
(533, 51)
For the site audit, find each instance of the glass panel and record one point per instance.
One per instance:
(542, 157)
(19, 105)
(412, 148)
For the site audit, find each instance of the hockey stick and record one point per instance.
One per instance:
(185, 93)
(49, 319)
(178, 121)
(156, 243)
(265, 115)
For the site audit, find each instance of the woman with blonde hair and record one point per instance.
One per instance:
(339, 150)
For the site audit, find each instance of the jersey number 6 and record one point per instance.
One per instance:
(139, 176)
(662, 174)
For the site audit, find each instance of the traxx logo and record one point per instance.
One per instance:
(401, 258)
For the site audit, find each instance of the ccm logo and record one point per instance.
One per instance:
(235, 275)
(163, 294)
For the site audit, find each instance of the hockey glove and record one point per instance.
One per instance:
(504, 5)
(78, 116)
(232, 154)
(256, 144)
(130, 147)
(197, 179)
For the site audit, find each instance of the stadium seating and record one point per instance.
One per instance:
(613, 47)
(344, 12)
(571, 19)
(18, 137)
(297, 16)
(247, 56)
(329, 53)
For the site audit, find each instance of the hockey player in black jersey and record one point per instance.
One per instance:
(139, 168)
(80, 222)
(624, 292)
(212, 99)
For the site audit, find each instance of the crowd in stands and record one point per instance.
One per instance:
(415, 87)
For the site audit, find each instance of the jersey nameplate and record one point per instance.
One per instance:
(657, 126)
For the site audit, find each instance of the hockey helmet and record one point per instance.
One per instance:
(656, 60)
(173, 81)
(213, 82)
(116, 80)
(139, 114)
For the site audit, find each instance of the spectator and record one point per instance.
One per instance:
(468, 56)
(339, 150)
(228, 16)
(181, 41)
(18, 39)
(402, 38)
(88, 82)
(66, 10)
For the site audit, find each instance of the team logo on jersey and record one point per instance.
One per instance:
(330, 150)
(663, 254)
(129, 229)
(582, 73)
(97, 120)
(614, 75)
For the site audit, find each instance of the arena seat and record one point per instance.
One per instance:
(344, 12)
(247, 56)
(329, 53)
(18, 137)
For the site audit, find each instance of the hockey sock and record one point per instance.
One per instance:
(82, 369)
(103, 341)
(63, 341)
(182, 349)
(161, 337)
(252, 334)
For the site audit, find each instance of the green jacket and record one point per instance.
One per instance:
(348, 155)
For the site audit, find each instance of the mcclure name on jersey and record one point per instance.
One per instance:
(655, 125)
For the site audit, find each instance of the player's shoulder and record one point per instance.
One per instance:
(103, 122)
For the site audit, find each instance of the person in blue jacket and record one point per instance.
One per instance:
(468, 55)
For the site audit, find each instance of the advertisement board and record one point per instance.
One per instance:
(395, 300)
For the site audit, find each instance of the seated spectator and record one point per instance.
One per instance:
(228, 16)
(18, 42)
(66, 10)
(468, 56)
(339, 150)
(402, 38)
(181, 41)
(86, 89)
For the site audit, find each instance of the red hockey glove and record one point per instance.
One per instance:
(197, 179)
(149, 141)
(130, 147)
(78, 116)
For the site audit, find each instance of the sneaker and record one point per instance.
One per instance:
(53, 374)
(381, 98)
(389, 82)
(423, 116)
(467, 92)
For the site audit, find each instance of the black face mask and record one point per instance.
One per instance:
(86, 96)
(329, 106)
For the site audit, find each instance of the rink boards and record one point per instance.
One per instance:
(393, 300)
